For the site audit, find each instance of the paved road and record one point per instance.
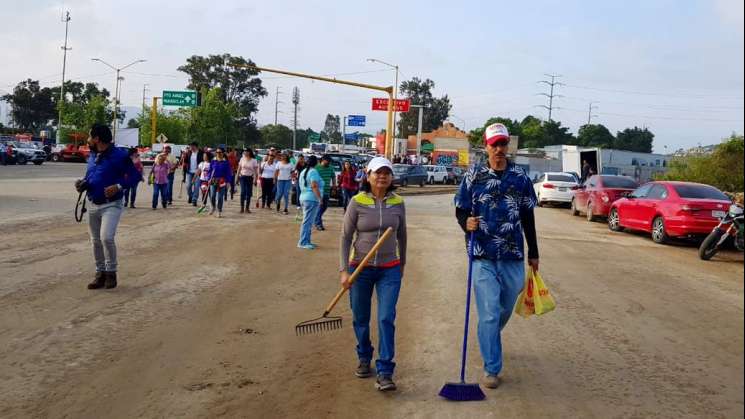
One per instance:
(203, 323)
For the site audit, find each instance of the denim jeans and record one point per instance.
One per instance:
(162, 190)
(347, 195)
(219, 195)
(169, 191)
(192, 188)
(247, 189)
(310, 209)
(283, 191)
(102, 223)
(496, 286)
(130, 194)
(323, 207)
(387, 284)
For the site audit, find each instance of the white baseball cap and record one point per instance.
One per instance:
(496, 133)
(377, 163)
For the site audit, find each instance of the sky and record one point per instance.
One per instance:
(673, 66)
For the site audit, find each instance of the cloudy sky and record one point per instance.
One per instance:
(675, 66)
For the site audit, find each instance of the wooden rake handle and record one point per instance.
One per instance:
(358, 270)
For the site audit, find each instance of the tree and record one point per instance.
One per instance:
(302, 139)
(79, 116)
(278, 136)
(723, 168)
(532, 135)
(595, 135)
(31, 105)
(332, 129)
(634, 139)
(215, 121)
(174, 125)
(436, 110)
(555, 134)
(238, 85)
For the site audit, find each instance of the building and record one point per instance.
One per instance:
(446, 146)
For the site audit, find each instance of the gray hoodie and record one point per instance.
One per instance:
(369, 218)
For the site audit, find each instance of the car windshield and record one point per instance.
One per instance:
(399, 169)
(619, 182)
(562, 178)
(699, 192)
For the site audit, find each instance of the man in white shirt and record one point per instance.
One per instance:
(190, 159)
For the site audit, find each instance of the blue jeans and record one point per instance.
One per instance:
(102, 223)
(496, 286)
(387, 283)
(219, 195)
(130, 194)
(283, 191)
(323, 207)
(162, 190)
(310, 209)
(192, 189)
(347, 195)
(247, 190)
(169, 191)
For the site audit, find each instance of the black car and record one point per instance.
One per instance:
(405, 174)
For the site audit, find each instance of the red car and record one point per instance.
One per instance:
(596, 195)
(670, 209)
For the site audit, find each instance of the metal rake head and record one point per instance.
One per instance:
(320, 324)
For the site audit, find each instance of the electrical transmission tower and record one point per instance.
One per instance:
(65, 48)
(591, 107)
(551, 95)
(295, 102)
(276, 104)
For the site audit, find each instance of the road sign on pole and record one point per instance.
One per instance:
(381, 104)
(352, 136)
(179, 98)
(356, 120)
(161, 138)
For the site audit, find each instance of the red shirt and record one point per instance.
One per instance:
(347, 180)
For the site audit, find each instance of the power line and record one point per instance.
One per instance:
(552, 84)
(670, 118)
(628, 92)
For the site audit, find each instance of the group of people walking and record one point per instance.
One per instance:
(493, 205)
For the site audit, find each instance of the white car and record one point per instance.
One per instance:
(436, 174)
(555, 187)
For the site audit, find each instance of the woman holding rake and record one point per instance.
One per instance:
(368, 215)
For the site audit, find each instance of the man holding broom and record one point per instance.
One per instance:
(496, 201)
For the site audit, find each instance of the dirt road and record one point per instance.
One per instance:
(202, 324)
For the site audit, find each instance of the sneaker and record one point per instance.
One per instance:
(98, 282)
(285, 212)
(491, 381)
(363, 370)
(313, 244)
(219, 214)
(385, 383)
(306, 246)
(320, 228)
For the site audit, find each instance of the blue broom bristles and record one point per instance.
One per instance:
(462, 392)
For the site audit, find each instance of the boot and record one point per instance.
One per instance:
(110, 280)
(98, 282)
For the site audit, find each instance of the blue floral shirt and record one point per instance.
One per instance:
(499, 200)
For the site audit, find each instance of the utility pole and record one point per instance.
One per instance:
(553, 83)
(276, 105)
(65, 19)
(116, 95)
(590, 108)
(142, 112)
(419, 130)
(295, 102)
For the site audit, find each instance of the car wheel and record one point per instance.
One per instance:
(38, 163)
(56, 157)
(21, 160)
(590, 212)
(421, 183)
(431, 181)
(574, 210)
(659, 235)
(405, 183)
(614, 220)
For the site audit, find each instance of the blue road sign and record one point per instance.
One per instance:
(351, 137)
(356, 120)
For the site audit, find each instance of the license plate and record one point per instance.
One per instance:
(718, 214)
(562, 189)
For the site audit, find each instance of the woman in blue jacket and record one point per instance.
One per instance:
(220, 177)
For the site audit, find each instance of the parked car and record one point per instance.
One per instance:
(22, 153)
(596, 195)
(670, 209)
(405, 174)
(455, 175)
(148, 158)
(436, 174)
(555, 187)
(71, 152)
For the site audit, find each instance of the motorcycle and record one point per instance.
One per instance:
(731, 225)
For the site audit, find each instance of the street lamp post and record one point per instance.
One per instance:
(395, 90)
(116, 87)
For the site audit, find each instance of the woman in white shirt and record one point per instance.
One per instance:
(268, 167)
(283, 179)
(203, 174)
(248, 169)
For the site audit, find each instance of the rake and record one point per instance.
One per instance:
(326, 323)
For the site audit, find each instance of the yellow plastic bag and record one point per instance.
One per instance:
(535, 297)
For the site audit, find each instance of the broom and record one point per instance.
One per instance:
(325, 322)
(462, 391)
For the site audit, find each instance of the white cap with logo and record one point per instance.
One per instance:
(377, 163)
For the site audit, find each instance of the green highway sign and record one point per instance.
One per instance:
(179, 98)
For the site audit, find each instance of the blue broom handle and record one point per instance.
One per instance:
(468, 309)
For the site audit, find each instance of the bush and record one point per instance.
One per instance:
(723, 168)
